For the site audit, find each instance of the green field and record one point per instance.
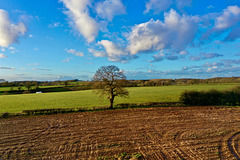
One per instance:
(87, 98)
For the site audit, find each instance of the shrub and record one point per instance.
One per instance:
(212, 97)
(5, 115)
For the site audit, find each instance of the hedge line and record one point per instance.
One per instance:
(212, 97)
(99, 108)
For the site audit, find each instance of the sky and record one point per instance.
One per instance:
(147, 39)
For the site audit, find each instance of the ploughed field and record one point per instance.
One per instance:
(154, 133)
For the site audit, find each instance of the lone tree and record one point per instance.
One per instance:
(109, 81)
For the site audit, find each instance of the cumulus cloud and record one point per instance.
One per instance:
(163, 5)
(175, 33)
(9, 32)
(229, 18)
(76, 53)
(113, 51)
(80, 17)
(204, 56)
(2, 56)
(110, 8)
(227, 21)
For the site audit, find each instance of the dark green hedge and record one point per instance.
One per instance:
(212, 97)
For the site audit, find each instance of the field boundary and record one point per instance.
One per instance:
(51, 111)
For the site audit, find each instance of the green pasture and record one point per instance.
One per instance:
(87, 98)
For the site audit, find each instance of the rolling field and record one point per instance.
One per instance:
(87, 98)
(149, 133)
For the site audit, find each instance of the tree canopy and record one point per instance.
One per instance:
(109, 81)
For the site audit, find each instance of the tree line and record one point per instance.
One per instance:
(128, 83)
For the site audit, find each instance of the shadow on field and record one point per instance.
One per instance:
(86, 109)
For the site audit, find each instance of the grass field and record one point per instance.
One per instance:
(17, 103)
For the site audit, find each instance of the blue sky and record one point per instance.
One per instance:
(69, 39)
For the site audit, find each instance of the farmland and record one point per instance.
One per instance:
(87, 98)
(149, 133)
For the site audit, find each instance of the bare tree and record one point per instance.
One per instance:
(109, 80)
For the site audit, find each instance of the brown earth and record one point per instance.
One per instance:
(155, 133)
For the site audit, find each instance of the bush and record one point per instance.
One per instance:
(5, 115)
(212, 97)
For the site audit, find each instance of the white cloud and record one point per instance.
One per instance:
(229, 18)
(226, 22)
(175, 33)
(97, 53)
(110, 8)
(114, 52)
(76, 53)
(81, 19)
(2, 56)
(9, 33)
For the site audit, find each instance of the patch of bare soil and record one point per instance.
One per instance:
(150, 133)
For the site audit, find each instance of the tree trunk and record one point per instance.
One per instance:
(111, 102)
(111, 99)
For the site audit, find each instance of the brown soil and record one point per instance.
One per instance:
(155, 133)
